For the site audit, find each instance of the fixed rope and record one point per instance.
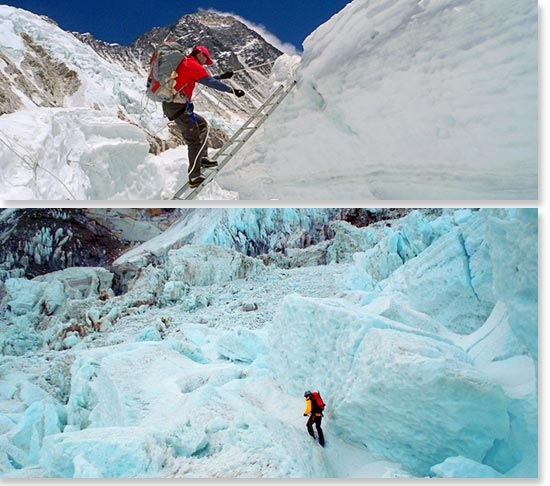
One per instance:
(32, 164)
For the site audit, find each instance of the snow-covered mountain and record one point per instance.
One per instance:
(232, 45)
(420, 333)
(408, 99)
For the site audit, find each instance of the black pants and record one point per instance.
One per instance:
(194, 133)
(316, 419)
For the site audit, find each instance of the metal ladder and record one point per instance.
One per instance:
(239, 138)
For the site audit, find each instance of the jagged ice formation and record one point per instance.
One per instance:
(419, 331)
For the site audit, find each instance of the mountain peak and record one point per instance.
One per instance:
(212, 17)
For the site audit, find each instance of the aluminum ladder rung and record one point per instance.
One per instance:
(235, 143)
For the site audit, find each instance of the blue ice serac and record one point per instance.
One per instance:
(420, 332)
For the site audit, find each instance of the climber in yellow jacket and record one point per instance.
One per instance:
(314, 408)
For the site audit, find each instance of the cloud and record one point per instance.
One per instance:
(285, 47)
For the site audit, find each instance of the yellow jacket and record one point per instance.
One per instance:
(307, 411)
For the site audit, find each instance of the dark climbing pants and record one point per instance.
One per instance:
(194, 134)
(316, 419)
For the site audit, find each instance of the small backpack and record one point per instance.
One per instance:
(162, 74)
(317, 402)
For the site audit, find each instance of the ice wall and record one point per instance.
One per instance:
(248, 230)
(406, 100)
(403, 378)
(514, 243)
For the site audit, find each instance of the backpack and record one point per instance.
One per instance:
(317, 402)
(162, 74)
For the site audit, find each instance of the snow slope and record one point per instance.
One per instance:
(198, 368)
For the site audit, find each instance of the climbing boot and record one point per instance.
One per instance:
(196, 182)
(209, 164)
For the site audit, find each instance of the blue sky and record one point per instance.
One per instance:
(123, 20)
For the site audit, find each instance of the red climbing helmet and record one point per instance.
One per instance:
(204, 50)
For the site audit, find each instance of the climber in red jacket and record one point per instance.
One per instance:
(314, 408)
(194, 128)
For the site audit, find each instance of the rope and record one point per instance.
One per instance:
(33, 164)
(154, 134)
(256, 66)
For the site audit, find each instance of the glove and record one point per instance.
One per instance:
(238, 92)
(226, 75)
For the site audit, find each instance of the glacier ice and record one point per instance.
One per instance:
(420, 332)
(206, 265)
(47, 297)
(247, 230)
(405, 373)
(390, 105)
(383, 379)
(514, 245)
(149, 333)
(77, 154)
(444, 267)
(107, 452)
(41, 419)
(240, 345)
(23, 295)
(462, 467)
